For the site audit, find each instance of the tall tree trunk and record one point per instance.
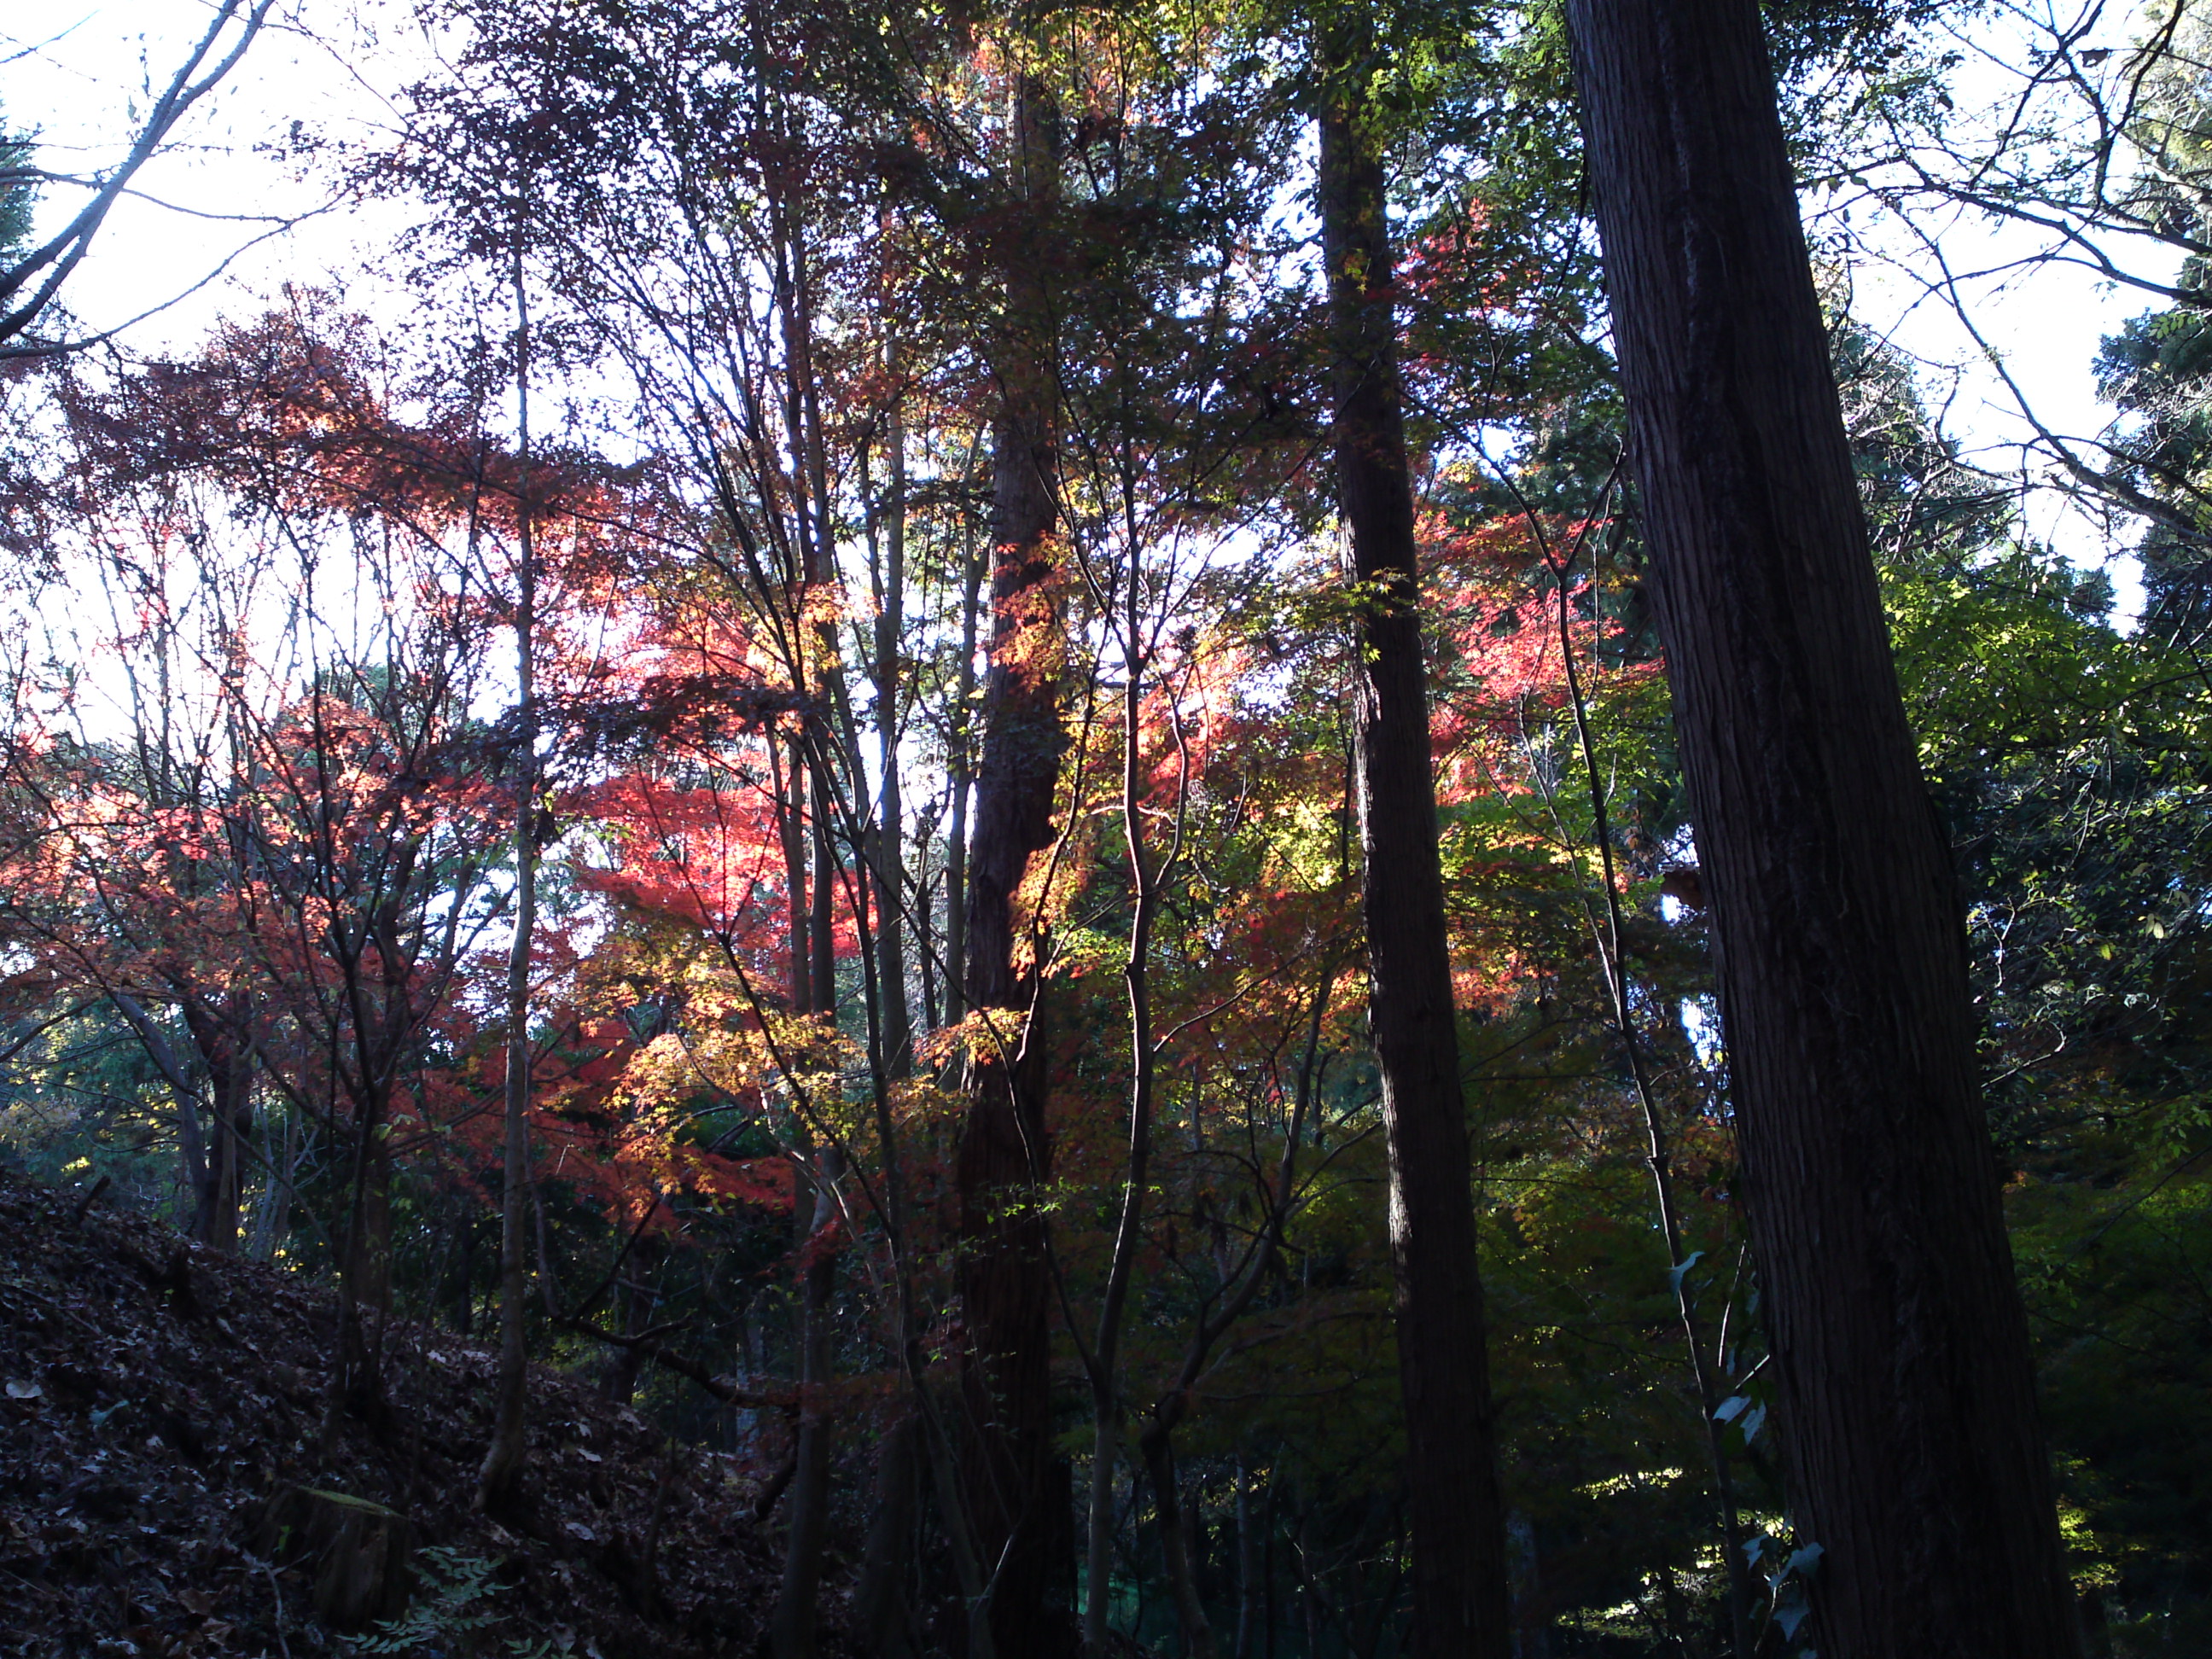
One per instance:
(1002, 1156)
(880, 1613)
(1532, 1619)
(1267, 1572)
(356, 1378)
(879, 1616)
(196, 1171)
(1156, 1447)
(228, 1060)
(272, 1212)
(503, 1459)
(959, 781)
(1146, 874)
(897, 1022)
(786, 758)
(1459, 1597)
(1247, 1562)
(793, 1625)
(231, 1086)
(618, 1383)
(1907, 1389)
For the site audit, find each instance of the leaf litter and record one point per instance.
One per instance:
(158, 1395)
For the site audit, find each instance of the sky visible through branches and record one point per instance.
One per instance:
(73, 82)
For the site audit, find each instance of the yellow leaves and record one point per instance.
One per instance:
(665, 1068)
(825, 604)
(730, 1048)
(1052, 880)
(936, 1051)
(918, 1100)
(1306, 851)
(2089, 1558)
(1078, 952)
(1634, 1481)
(985, 1030)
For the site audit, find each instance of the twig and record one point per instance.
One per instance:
(277, 1590)
(91, 1197)
(729, 1393)
(771, 1494)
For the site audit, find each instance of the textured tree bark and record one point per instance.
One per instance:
(959, 783)
(793, 1627)
(1460, 1598)
(1248, 1564)
(879, 1611)
(787, 758)
(356, 1376)
(229, 1065)
(359, 1553)
(1003, 1155)
(504, 1456)
(1157, 1446)
(618, 1383)
(1913, 1453)
(896, 1023)
(231, 1082)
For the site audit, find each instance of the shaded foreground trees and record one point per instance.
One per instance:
(926, 1227)
(1004, 1155)
(1916, 1460)
(1460, 1604)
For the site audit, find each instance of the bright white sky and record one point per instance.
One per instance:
(75, 69)
(2044, 319)
(2046, 324)
(78, 69)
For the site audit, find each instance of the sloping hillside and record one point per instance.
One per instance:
(157, 1396)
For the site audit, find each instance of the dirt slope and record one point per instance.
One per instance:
(154, 1396)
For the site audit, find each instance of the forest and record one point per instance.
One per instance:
(1008, 829)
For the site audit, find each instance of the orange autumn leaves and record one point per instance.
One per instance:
(662, 991)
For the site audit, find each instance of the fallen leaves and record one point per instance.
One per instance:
(157, 1394)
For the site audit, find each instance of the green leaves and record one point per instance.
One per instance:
(1787, 1571)
(1681, 1271)
(455, 1588)
(1743, 1415)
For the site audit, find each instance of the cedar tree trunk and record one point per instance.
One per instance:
(1459, 1597)
(879, 1611)
(1004, 1283)
(1906, 1385)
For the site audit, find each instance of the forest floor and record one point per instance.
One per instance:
(155, 1396)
